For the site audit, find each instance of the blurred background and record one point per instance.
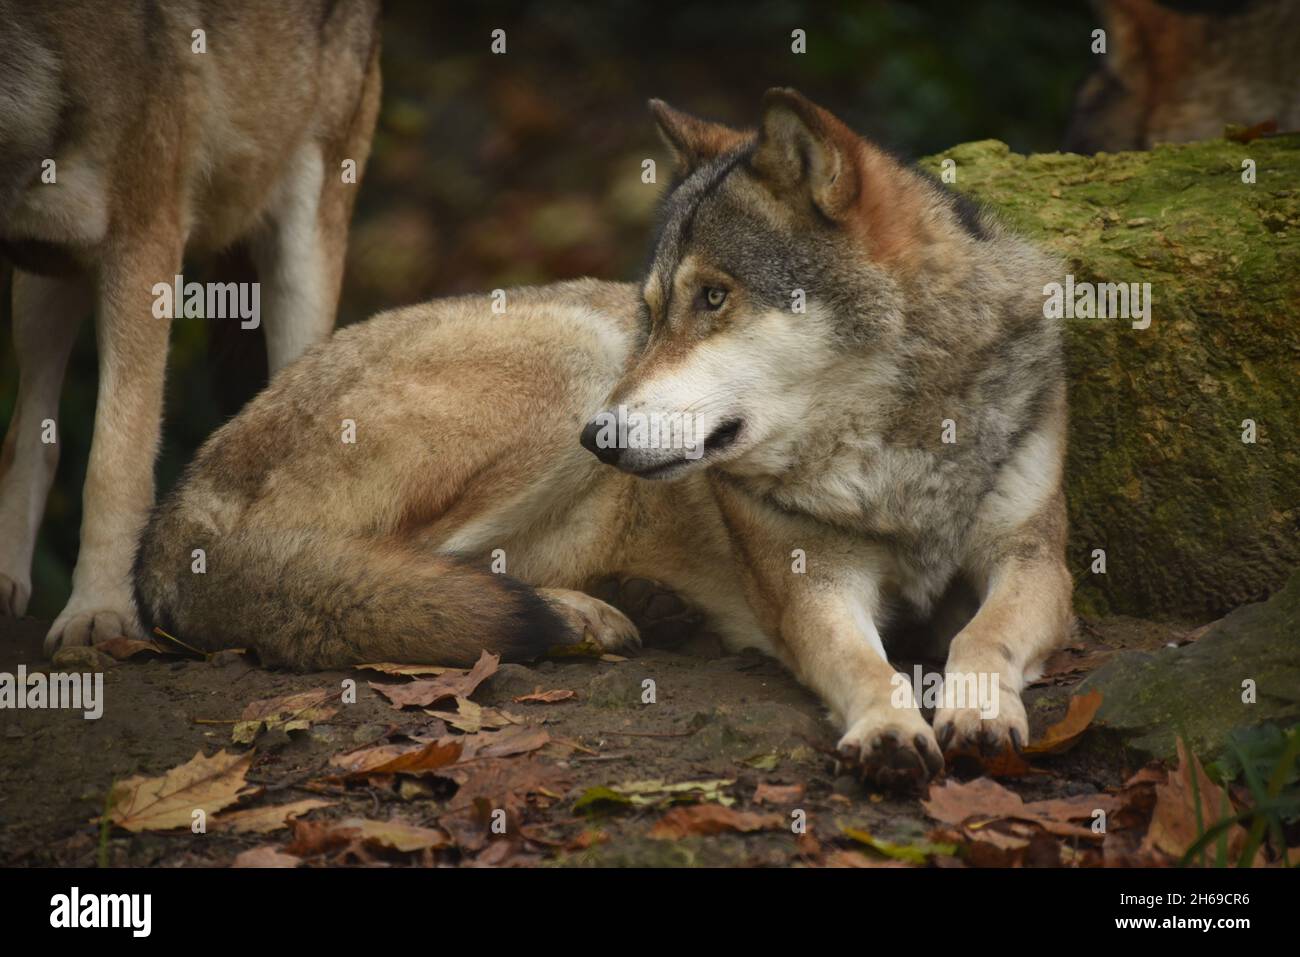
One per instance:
(494, 170)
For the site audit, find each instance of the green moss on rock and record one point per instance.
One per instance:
(1198, 691)
(1193, 520)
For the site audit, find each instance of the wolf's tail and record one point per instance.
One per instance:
(316, 600)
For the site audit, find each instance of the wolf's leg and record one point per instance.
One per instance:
(1024, 615)
(592, 618)
(297, 298)
(47, 312)
(300, 257)
(835, 649)
(119, 478)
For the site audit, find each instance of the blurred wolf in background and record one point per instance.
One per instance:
(878, 412)
(132, 135)
(1180, 71)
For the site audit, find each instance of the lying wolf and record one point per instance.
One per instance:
(878, 414)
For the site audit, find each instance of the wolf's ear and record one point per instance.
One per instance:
(692, 140)
(803, 148)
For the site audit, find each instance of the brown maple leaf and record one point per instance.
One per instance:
(1063, 735)
(546, 697)
(453, 684)
(712, 819)
(158, 804)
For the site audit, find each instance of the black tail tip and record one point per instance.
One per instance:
(532, 627)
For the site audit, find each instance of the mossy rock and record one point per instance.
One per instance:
(1193, 520)
(1197, 690)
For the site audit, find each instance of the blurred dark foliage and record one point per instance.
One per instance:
(493, 170)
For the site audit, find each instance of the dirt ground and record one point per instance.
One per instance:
(740, 720)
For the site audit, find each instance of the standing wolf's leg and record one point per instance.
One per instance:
(47, 312)
(300, 256)
(835, 649)
(1024, 615)
(291, 264)
(128, 411)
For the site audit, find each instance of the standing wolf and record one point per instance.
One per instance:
(355, 509)
(131, 135)
(1180, 71)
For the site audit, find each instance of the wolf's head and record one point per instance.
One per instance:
(780, 264)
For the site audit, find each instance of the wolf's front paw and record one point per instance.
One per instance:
(967, 730)
(76, 628)
(14, 595)
(893, 753)
(593, 619)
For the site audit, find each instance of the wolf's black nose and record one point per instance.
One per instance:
(596, 443)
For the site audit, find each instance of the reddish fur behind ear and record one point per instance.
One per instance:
(891, 207)
(803, 147)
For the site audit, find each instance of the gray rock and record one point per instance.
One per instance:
(616, 687)
(1149, 699)
(756, 728)
(367, 733)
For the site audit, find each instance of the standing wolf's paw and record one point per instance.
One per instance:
(77, 628)
(966, 730)
(592, 619)
(14, 595)
(895, 753)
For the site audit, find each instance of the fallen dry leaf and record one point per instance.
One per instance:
(267, 855)
(712, 819)
(1174, 827)
(263, 820)
(505, 783)
(1002, 764)
(291, 712)
(436, 755)
(979, 803)
(1062, 735)
(472, 718)
(158, 804)
(512, 739)
(546, 697)
(778, 794)
(587, 839)
(954, 802)
(999, 839)
(858, 859)
(397, 835)
(393, 668)
(398, 758)
(451, 684)
(123, 648)
(312, 838)
(502, 854)
(516, 739)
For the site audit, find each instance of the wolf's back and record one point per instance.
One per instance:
(312, 599)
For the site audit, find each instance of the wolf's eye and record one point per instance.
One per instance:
(713, 297)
